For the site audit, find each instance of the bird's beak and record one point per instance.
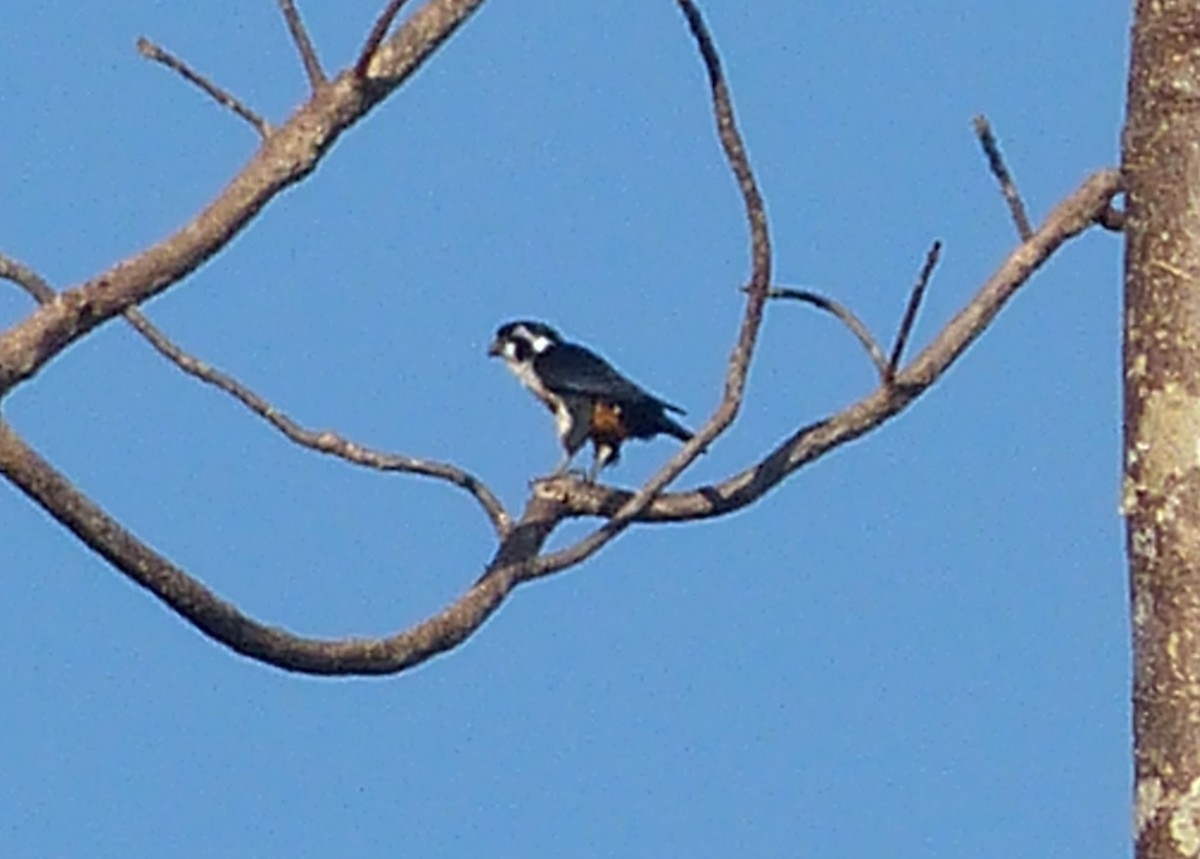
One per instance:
(495, 349)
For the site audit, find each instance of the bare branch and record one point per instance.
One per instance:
(739, 361)
(515, 560)
(290, 154)
(382, 23)
(26, 278)
(756, 215)
(847, 318)
(983, 130)
(910, 312)
(1071, 217)
(308, 54)
(153, 52)
(224, 623)
(886, 367)
(323, 441)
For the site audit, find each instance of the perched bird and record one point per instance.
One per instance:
(588, 398)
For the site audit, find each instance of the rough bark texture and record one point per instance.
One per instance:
(1161, 497)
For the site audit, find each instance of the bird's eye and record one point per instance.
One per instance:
(520, 349)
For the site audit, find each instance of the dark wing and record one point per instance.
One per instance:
(568, 369)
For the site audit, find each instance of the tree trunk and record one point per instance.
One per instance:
(1161, 495)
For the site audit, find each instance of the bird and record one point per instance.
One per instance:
(587, 396)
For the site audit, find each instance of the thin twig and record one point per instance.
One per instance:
(743, 351)
(308, 54)
(26, 278)
(847, 318)
(378, 31)
(322, 441)
(910, 312)
(153, 52)
(983, 130)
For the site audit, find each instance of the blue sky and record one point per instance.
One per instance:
(915, 647)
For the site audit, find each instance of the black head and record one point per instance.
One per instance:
(521, 339)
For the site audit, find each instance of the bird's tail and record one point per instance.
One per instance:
(672, 427)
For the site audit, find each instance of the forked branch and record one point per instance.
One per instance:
(289, 154)
(885, 366)
(516, 558)
(322, 441)
(1072, 216)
